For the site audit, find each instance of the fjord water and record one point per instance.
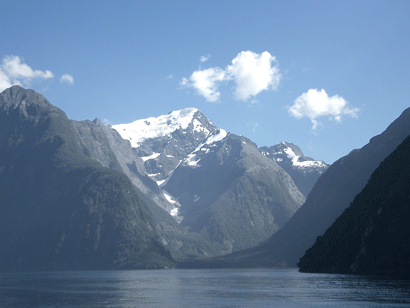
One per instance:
(200, 288)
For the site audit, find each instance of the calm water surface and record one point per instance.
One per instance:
(200, 288)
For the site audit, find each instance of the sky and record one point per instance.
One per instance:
(324, 75)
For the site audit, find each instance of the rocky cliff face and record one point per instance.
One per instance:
(60, 210)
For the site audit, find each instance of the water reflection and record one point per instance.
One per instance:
(205, 288)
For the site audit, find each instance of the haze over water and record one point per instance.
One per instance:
(200, 288)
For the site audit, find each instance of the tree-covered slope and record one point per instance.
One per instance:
(372, 236)
(60, 209)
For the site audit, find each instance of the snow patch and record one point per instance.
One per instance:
(165, 181)
(152, 156)
(217, 137)
(304, 164)
(192, 159)
(161, 183)
(169, 198)
(174, 212)
(199, 128)
(140, 130)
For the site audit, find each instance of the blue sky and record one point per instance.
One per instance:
(324, 75)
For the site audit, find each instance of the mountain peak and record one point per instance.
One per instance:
(163, 125)
(17, 95)
(289, 152)
(304, 170)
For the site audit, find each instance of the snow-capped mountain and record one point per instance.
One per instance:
(213, 179)
(304, 171)
(165, 141)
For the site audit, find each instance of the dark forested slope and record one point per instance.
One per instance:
(373, 235)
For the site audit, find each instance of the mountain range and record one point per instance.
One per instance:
(201, 190)
(87, 195)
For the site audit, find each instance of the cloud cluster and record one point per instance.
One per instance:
(251, 72)
(13, 71)
(206, 82)
(67, 79)
(314, 104)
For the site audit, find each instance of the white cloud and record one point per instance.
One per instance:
(205, 58)
(314, 104)
(206, 82)
(4, 81)
(170, 76)
(14, 72)
(254, 73)
(251, 72)
(67, 79)
(14, 68)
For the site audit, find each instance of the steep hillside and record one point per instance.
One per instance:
(372, 235)
(60, 210)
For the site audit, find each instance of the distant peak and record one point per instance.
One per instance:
(287, 145)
